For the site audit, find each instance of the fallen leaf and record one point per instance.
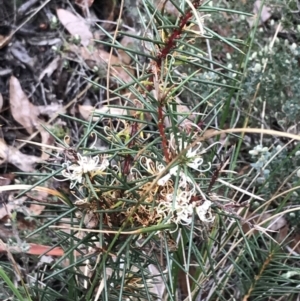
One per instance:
(36, 209)
(27, 116)
(265, 13)
(75, 26)
(51, 109)
(116, 71)
(10, 154)
(50, 68)
(276, 223)
(6, 179)
(158, 287)
(182, 111)
(99, 57)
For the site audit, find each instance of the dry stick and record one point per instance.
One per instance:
(56, 115)
(111, 51)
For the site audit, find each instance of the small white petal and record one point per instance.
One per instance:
(162, 181)
(173, 171)
(193, 153)
(202, 211)
(195, 163)
(184, 180)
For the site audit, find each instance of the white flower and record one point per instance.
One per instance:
(194, 158)
(184, 214)
(162, 181)
(180, 211)
(85, 165)
(202, 211)
(184, 180)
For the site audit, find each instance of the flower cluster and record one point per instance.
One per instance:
(180, 204)
(85, 165)
(180, 207)
(175, 198)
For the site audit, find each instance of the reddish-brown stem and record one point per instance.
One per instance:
(163, 134)
(167, 48)
(171, 42)
(156, 67)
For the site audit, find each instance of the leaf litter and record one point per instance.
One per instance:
(21, 106)
(76, 26)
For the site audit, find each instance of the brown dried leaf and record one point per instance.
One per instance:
(101, 56)
(27, 116)
(52, 66)
(158, 288)
(265, 14)
(75, 26)
(36, 209)
(13, 156)
(6, 179)
(116, 71)
(51, 109)
(21, 53)
(276, 223)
